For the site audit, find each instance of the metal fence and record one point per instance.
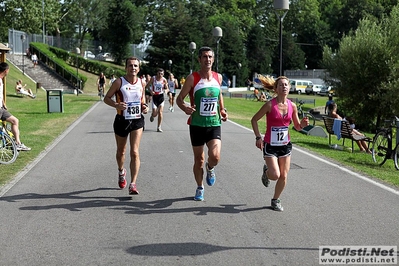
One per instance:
(19, 41)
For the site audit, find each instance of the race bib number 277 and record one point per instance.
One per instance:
(208, 106)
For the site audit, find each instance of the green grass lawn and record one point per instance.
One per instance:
(39, 128)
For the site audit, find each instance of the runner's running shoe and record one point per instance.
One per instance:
(122, 178)
(265, 179)
(133, 189)
(199, 194)
(151, 119)
(276, 205)
(210, 175)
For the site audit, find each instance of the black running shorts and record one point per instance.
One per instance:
(158, 99)
(201, 135)
(277, 151)
(123, 127)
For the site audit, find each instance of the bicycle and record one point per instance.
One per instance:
(101, 92)
(381, 149)
(302, 114)
(8, 147)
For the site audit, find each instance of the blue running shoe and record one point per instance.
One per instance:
(199, 194)
(210, 176)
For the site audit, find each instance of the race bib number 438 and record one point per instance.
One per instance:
(133, 110)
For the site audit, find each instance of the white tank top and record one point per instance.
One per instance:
(171, 84)
(131, 94)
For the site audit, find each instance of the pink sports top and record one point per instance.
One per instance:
(277, 125)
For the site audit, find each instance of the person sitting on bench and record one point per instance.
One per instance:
(332, 110)
(22, 90)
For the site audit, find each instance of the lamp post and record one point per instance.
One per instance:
(44, 41)
(77, 71)
(281, 8)
(238, 74)
(170, 65)
(192, 48)
(217, 34)
(23, 37)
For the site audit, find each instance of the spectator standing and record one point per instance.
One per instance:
(330, 101)
(111, 80)
(34, 59)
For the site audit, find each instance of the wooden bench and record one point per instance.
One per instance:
(346, 131)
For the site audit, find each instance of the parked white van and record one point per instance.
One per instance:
(299, 86)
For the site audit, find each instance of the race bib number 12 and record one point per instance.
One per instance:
(279, 136)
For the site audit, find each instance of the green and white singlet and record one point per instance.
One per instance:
(205, 96)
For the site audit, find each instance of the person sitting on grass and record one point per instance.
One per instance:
(256, 94)
(21, 89)
(263, 97)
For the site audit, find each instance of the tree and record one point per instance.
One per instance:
(176, 27)
(363, 71)
(27, 16)
(84, 17)
(259, 51)
(232, 49)
(119, 33)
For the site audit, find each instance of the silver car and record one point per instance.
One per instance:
(313, 89)
(326, 90)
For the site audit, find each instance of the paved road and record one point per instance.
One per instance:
(67, 209)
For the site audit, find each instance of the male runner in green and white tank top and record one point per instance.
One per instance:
(206, 110)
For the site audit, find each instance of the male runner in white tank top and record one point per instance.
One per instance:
(129, 121)
(172, 82)
(158, 85)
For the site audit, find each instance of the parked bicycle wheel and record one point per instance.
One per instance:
(396, 156)
(380, 148)
(311, 118)
(8, 149)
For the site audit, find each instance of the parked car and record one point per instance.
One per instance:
(299, 86)
(89, 55)
(313, 89)
(326, 90)
(104, 56)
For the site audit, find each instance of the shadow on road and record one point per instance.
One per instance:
(193, 249)
(127, 204)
